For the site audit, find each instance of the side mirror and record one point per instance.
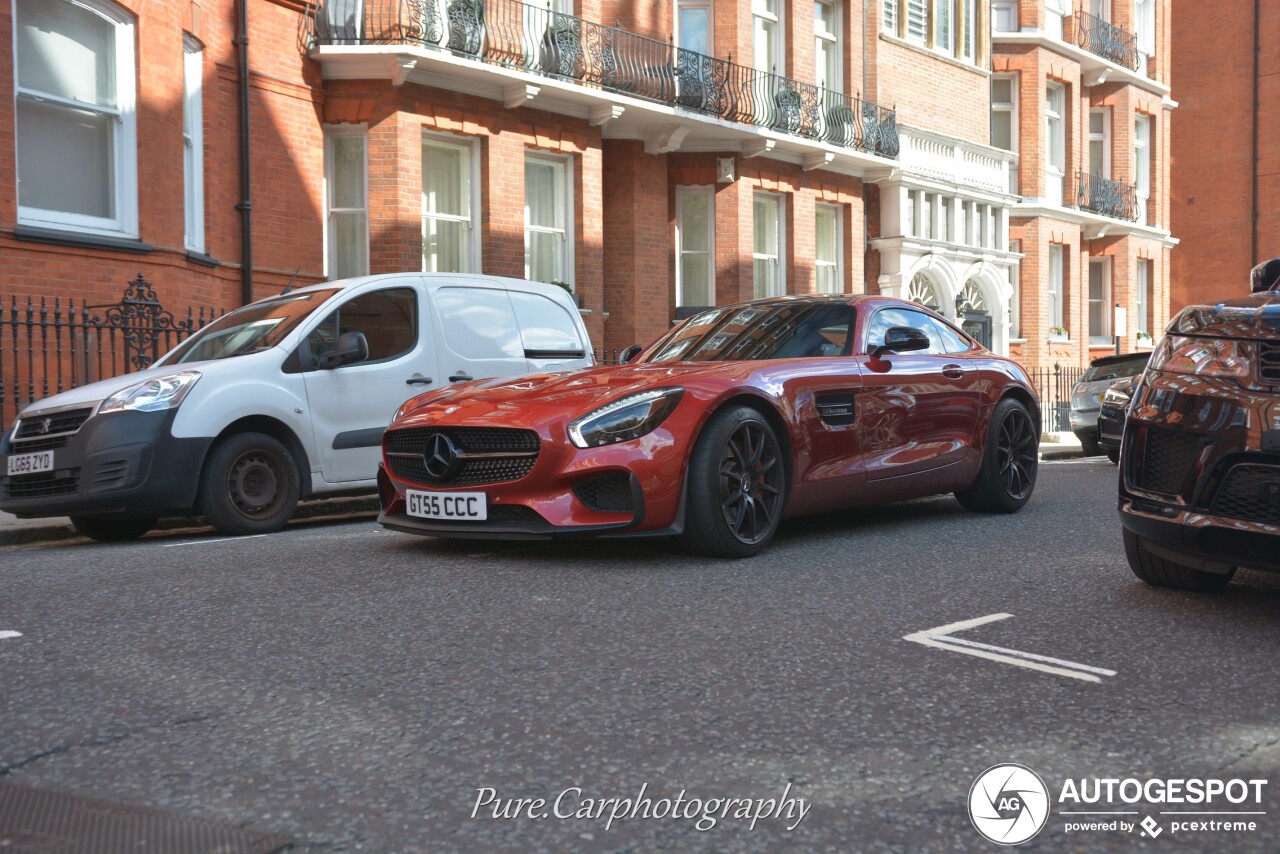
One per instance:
(1265, 276)
(629, 354)
(352, 347)
(901, 339)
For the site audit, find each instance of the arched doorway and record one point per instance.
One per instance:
(975, 317)
(921, 291)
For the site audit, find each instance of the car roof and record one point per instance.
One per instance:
(429, 278)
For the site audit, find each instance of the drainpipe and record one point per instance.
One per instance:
(246, 205)
(1253, 164)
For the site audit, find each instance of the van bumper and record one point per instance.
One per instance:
(123, 464)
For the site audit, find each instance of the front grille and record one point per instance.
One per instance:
(1251, 493)
(1269, 362)
(41, 485)
(468, 440)
(1167, 463)
(42, 433)
(608, 493)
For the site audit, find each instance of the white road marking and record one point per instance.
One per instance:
(939, 638)
(7, 634)
(213, 542)
(1089, 461)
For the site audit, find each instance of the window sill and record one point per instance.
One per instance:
(81, 239)
(1145, 344)
(949, 58)
(1059, 339)
(202, 259)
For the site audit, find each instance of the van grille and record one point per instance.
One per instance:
(41, 485)
(44, 432)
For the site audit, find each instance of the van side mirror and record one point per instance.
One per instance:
(352, 347)
(1265, 276)
(901, 339)
(629, 354)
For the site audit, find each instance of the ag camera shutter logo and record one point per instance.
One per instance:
(1009, 804)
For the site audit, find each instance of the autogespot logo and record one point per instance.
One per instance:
(1009, 804)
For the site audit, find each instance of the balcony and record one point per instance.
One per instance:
(522, 39)
(1104, 39)
(967, 165)
(1106, 197)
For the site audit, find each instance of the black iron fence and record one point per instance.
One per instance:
(48, 346)
(533, 38)
(1107, 197)
(1105, 39)
(1055, 385)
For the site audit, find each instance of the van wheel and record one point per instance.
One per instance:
(1159, 572)
(111, 530)
(250, 485)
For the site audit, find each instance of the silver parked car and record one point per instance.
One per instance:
(1086, 397)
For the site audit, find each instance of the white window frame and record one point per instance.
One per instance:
(330, 133)
(834, 48)
(1144, 19)
(890, 16)
(1015, 291)
(193, 143)
(682, 194)
(1010, 107)
(1004, 16)
(779, 261)
(1142, 130)
(915, 10)
(1055, 140)
(564, 165)
(709, 6)
(1103, 137)
(1101, 334)
(966, 26)
(125, 138)
(1057, 286)
(1100, 9)
(770, 21)
(1142, 285)
(836, 265)
(471, 147)
(945, 27)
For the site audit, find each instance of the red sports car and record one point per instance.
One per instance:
(738, 417)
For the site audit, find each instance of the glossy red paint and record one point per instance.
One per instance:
(918, 427)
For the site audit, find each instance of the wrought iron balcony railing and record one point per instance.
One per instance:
(1107, 197)
(1105, 39)
(513, 34)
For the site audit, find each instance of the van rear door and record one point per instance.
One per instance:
(554, 339)
(479, 336)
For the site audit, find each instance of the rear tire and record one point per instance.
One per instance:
(737, 486)
(250, 485)
(1089, 446)
(1161, 572)
(111, 530)
(1009, 462)
(1113, 454)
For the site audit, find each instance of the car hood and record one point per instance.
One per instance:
(565, 395)
(1256, 316)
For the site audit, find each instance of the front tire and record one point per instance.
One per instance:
(737, 486)
(1089, 445)
(1113, 454)
(111, 530)
(1161, 572)
(1009, 461)
(250, 485)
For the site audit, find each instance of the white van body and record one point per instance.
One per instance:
(422, 331)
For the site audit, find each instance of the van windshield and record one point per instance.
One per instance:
(251, 329)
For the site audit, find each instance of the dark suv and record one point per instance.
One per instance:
(1200, 461)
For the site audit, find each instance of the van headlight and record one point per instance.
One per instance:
(152, 395)
(627, 418)
(1202, 357)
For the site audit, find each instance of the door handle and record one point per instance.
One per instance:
(418, 379)
(460, 377)
(953, 372)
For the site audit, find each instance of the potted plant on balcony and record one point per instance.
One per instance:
(1057, 333)
(1144, 339)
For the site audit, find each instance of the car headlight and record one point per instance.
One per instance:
(1115, 397)
(1202, 357)
(152, 395)
(627, 418)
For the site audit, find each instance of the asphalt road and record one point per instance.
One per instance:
(355, 688)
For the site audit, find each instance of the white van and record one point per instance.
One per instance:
(284, 398)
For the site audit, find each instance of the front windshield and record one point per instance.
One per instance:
(776, 330)
(255, 327)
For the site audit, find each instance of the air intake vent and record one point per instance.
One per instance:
(836, 409)
(608, 493)
(1269, 362)
(1167, 464)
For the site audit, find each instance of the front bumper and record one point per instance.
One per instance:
(1110, 427)
(1200, 472)
(123, 464)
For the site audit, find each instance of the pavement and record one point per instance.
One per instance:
(15, 531)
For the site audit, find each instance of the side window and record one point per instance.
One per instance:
(952, 340)
(479, 323)
(546, 329)
(886, 318)
(388, 319)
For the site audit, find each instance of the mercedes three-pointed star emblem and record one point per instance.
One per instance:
(440, 457)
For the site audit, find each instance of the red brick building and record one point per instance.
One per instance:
(1226, 133)
(682, 153)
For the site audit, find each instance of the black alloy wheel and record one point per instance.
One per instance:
(1009, 462)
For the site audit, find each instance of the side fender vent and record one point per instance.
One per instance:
(835, 409)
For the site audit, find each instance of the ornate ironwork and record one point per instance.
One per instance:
(1105, 39)
(466, 26)
(141, 320)
(1107, 197)
(425, 21)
